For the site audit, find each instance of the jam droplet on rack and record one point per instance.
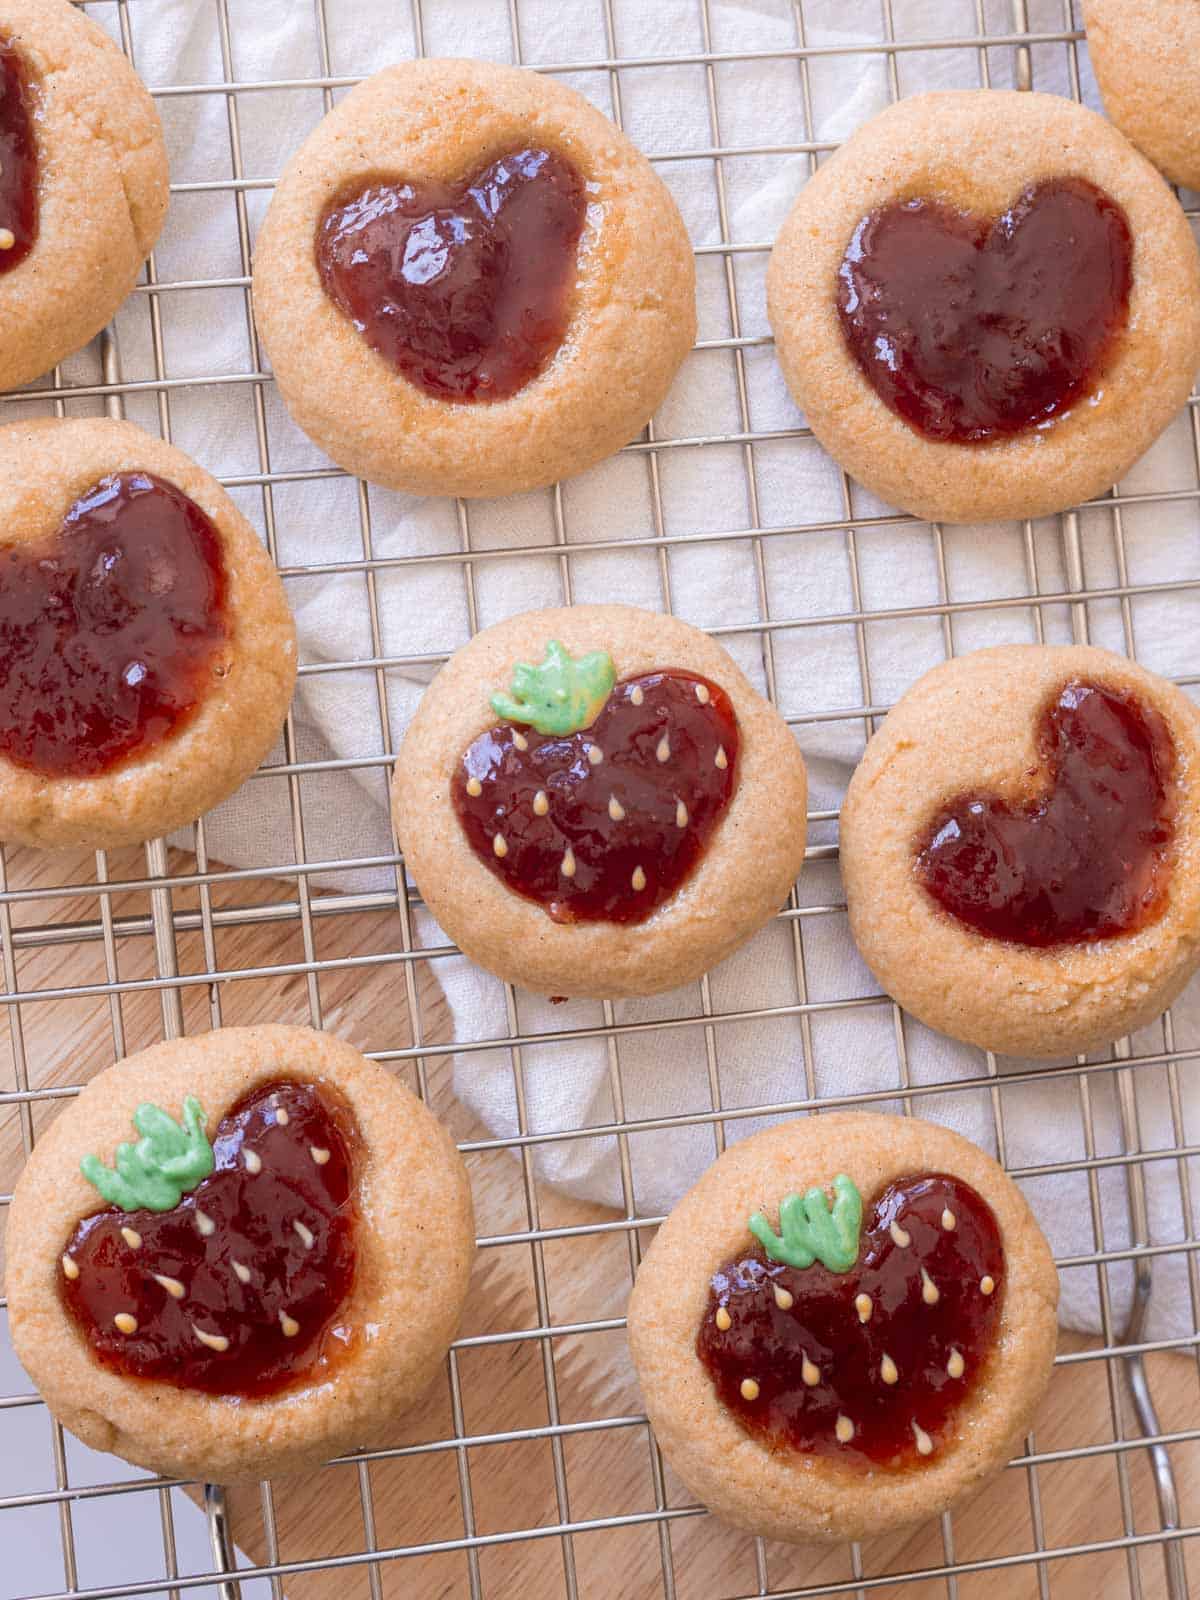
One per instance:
(972, 329)
(18, 161)
(465, 289)
(111, 631)
(606, 824)
(868, 1365)
(237, 1290)
(1086, 857)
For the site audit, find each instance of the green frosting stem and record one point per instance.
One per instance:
(559, 695)
(167, 1160)
(811, 1231)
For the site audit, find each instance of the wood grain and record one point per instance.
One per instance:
(514, 1485)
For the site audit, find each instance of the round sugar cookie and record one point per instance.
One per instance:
(1144, 58)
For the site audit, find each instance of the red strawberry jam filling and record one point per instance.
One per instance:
(972, 328)
(112, 631)
(18, 161)
(870, 1365)
(1087, 857)
(604, 825)
(238, 1289)
(464, 288)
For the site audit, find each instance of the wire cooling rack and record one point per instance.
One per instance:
(532, 1465)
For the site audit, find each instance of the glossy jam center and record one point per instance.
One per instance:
(238, 1289)
(18, 161)
(1086, 857)
(970, 328)
(870, 1365)
(465, 289)
(604, 825)
(113, 631)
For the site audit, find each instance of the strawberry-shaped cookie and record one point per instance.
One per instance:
(595, 801)
(253, 1266)
(868, 1301)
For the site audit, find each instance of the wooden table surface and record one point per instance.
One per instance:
(521, 1384)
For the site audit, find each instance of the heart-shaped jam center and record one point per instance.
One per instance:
(970, 328)
(464, 288)
(869, 1365)
(237, 1289)
(605, 824)
(1087, 856)
(18, 161)
(112, 632)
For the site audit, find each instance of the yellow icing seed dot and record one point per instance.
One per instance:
(638, 880)
(949, 1221)
(172, 1285)
(319, 1156)
(615, 809)
(784, 1298)
(862, 1304)
(132, 1238)
(723, 1320)
(7, 238)
(956, 1366)
(499, 845)
(253, 1163)
(243, 1273)
(722, 760)
(987, 1284)
(663, 752)
(281, 1116)
(70, 1267)
(541, 803)
(929, 1290)
(303, 1234)
(681, 815)
(636, 695)
(519, 739)
(749, 1389)
(124, 1323)
(810, 1373)
(888, 1370)
(205, 1224)
(843, 1429)
(900, 1235)
(924, 1442)
(702, 694)
(289, 1325)
(568, 863)
(595, 754)
(214, 1341)
(474, 788)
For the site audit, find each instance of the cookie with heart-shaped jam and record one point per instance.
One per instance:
(239, 1254)
(470, 282)
(987, 305)
(844, 1327)
(83, 183)
(1020, 847)
(594, 800)
(148, 651)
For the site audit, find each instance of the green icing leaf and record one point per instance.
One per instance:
(559, 695)
(811, 1232)
(167, 1160)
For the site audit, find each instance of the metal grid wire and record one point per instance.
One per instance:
(76, 915)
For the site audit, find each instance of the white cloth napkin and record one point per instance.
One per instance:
(424, 609)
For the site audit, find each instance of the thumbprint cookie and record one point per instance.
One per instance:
(987, 304)
(594, 801)
(844, 1327)
(147, 653)
(83, 183)
(1144, 58)
(1020, 847)
(470, 282)
(239, 1254)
